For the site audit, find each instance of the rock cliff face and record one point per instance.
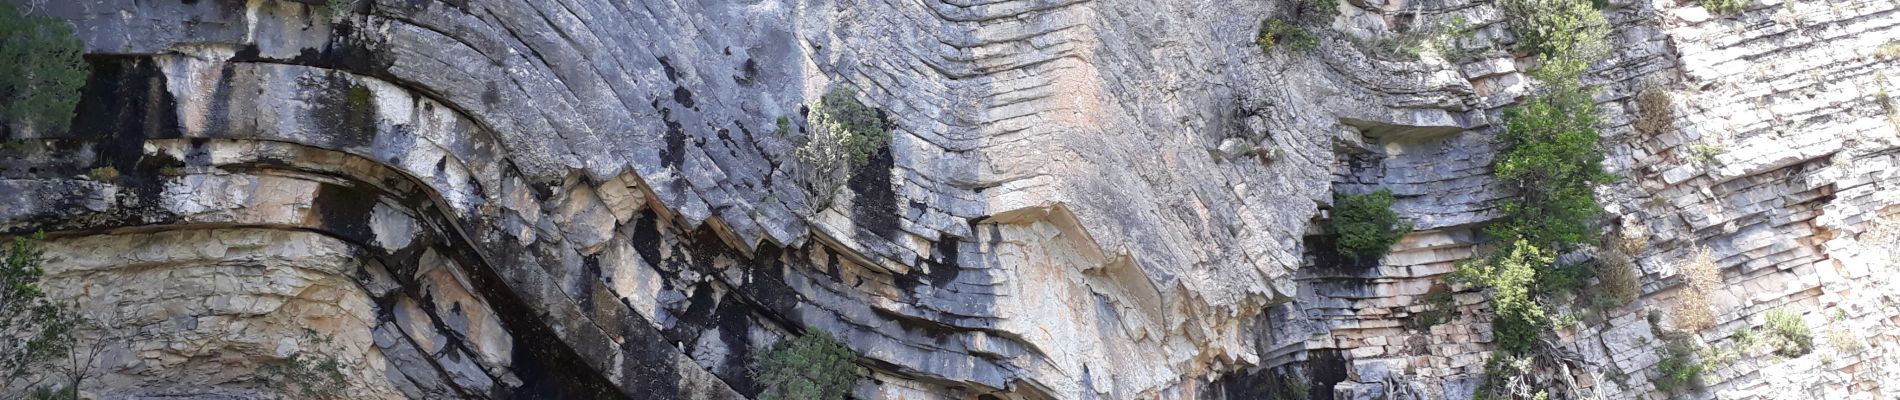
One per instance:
(1081, 200)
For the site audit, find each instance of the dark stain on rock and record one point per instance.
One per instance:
(675, 152)
(1256, 383)
(349, 109)
(875, 208)
(345, 211)
(353, 52)
(125, 98)
(1324, 258)
(748, 73)
(697, 318)
(1325, 368)
(945, 268)
(646, 237)
(346, 51)
(551, 368)
(491, 96)
(734, 323)
(667, 65)
(124, 103)
(683, 96)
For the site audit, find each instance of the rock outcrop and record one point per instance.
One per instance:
(1082, 199)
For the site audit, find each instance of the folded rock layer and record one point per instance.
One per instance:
(1080, 199)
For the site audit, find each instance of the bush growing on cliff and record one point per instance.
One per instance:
(844, 135)
(1564, 28)
(1510, 275)
(1617, 281)
(1724, 7)
(1655, 112)
(34, 330)
(1366, 224)
(1789, 334)
(1552, 161)
(41, 71)
(1440, 307)
(814, 366)
(1680, 368)
(1275, 33)
(1700, 277)
(1506, 378)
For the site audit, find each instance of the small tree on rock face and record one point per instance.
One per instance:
(1366, 224)
(33, 330)
(1553, 163)
(844, 134)
(41, 71)
(810, 367)
(1510, 276)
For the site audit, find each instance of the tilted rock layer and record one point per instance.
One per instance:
(1082, 199)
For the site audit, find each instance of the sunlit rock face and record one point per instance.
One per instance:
(1081, 199)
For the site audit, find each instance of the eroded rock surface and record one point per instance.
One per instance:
(1082, 199)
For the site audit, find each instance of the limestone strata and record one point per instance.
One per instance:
(1082, 199)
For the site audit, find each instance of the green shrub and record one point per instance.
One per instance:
(844, 135)
(1724, 7)
(1845, 340)
(1400, 47)
(1510, 275)
(1617, 281)
(1275, 33)
(810, 367)
(1563, 279)
(1679, 367)
(783, 127)
(1571, 29)
(1366, 225)
(1450, 37)
(1705, 153)
(1552, 161)
(1505, 378)
(103, 174)
(1439, 308)
(1789, 334)
(41, 71)
(34, 330)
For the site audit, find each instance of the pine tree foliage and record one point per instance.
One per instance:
(815, 366)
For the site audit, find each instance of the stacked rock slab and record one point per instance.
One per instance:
(1082, 199)
(1773, 156)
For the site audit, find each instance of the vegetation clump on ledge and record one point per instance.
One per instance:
(1366, 225)
(1296, 32)
(812, 366)
(1724, 7)
(844, 134)
(1275, 33)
